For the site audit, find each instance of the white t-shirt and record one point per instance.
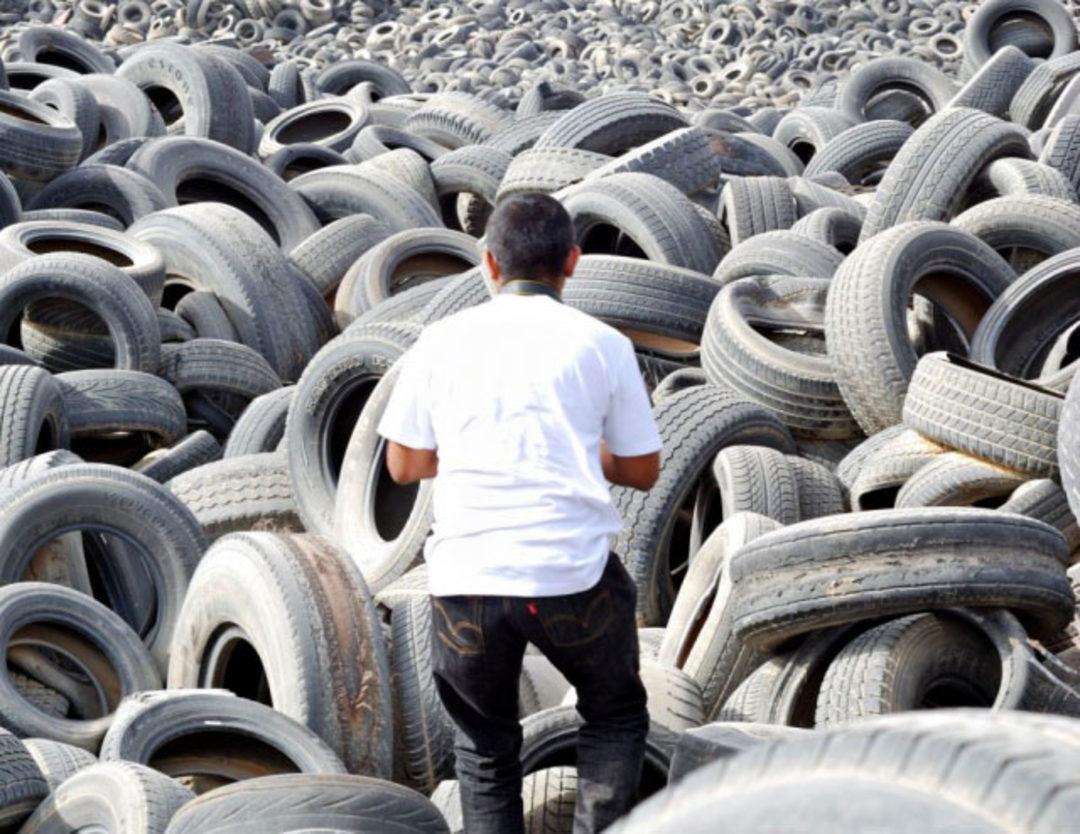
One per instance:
(515, 395)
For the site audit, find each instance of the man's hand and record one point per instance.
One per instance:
(408, 465)
(638, 472)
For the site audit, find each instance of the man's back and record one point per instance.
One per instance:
(519, 393)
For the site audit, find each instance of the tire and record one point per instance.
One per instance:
(126, 665)
(128, 118)
(676, 381)
(58, 761)
(792, 581)
(1039, 92)
(954, 479)
(932, 87)
(1033, 224)
(193, 169)
(23, 785)
(992, 87)
(261, 426)
(381, 525)
(119, 797)
(930, 176)
(70, 215)
(103, 402)
(294, 160)
(458, 293)
(862, 152)
(456, 119)
(472, 173)
(338, 78)
(987, 415)
(407, 306)
(1062, 150)
(203, 311)
(886, 469)
(377, 140)
(324, 614)
(758, 480)
(832, 226)
(1044, 500)
(402, 260)
(820, 492)
(549, 797)
(32, 416)
(644, 299)
(752, 205)
(424, 731)
(341, 190)
(162, 465)
(208, 95)
(812, 194)
(1052, 16)
(684, 158)
(331, 124)
(739, 794)
(71, 99)
(548, 170)
(806, 130)
(1014, 177)
(326, 255)
(332, 397)
(250, 492)
(698, 637)
(278, 804)
(109, 500)
(1068, 445)
(694, 425)
(720, 740)
(796, 381)
(217, 248)
(655, 217)
(865, 316)
(612, 124)
(53, 45)
(778, 253)
(850, 465)
(39, 142)
(125, 194)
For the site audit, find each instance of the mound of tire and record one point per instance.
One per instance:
(842, 238)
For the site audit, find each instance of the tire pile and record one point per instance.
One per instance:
(854, 310)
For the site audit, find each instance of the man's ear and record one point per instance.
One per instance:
(492, 267)
(572, 261)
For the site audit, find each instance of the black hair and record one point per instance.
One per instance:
(531, 236)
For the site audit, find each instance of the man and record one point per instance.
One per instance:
(520, 409)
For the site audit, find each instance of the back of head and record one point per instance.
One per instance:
(531, 236)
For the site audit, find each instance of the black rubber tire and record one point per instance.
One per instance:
(888, 467)
(383, 525)
(806, 130)
(1013, 177)
(720, 740)
(1068, 445)
(103, 636)
(861, 152)
(32, 415)
(548, 170)
(831, 226)
(779, 253)
(992, 87)
(119, 797)
(850, 776)
(407, 306)
(294, 160)
(128, 119)
(612, 124)
(326, 255)
(694, 425)
(330, 399)
(147, 727)
(203, 311)
(423, 730)
(795, 380)
(755, 479)
(125, 194)
(456, 119)
(189, 169)
(659, 220)
(930, 175)
(984, 413)
(643, 298)
(101, 402)
(329, 123)
(1052, 16)
(458, 293)
(954, 479)
(299, 609)
(403, 260)
(207, 93)
(1045, 500)
(1062, 150)
(802, 578)
(340, 190)
(58, 761)
(249, 492)
(932, 87)
(71, 99)
(162, 465)
(106, 499)
(752, 205)
(340, 77)
(684, 158)
(1022, 227)
(866, 313)
(290, 803)
(39, 142)
(1039, 92)
(261, 426)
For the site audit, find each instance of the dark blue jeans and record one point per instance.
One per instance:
(591, 637)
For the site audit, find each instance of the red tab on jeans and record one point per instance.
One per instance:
(532, 608)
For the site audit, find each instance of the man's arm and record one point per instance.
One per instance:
(408, 465)
(638, 471)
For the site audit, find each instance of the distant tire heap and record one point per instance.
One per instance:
(856, 317)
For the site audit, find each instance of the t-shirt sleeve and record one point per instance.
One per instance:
(407, 419)
(629, 427)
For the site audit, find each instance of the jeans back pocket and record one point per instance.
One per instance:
(577, 619)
